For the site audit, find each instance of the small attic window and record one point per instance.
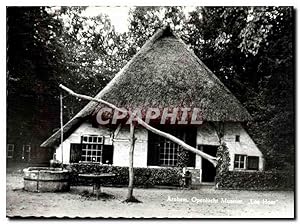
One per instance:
(237, 138)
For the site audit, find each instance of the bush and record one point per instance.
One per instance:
(267, 180)
(223, 160)
(144, 177)
(250, 180)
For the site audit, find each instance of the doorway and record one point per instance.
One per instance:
(208, 170)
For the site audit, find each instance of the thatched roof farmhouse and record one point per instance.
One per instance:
(165, 73)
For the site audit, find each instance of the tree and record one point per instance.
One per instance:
(274, 111)
(250, 50)
(93, 53)
(34, 61)
(145, 21)
(130, 197)
(77, 38)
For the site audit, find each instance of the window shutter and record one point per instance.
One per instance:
(153, 154)
(191, 136)
(153, 150)
(75, 152)
(107, 154)
(252, 163)
(192, 160)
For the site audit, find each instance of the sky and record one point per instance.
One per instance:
(119, 15)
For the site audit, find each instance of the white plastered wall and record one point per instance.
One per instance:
(245, 146)
(121, 144)
(207, 135)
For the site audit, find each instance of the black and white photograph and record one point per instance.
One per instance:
(150, 112)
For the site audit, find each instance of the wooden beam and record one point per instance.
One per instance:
(117, 131)
(208, 157)
(131, 172)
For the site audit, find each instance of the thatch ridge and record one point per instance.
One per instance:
(140, 83)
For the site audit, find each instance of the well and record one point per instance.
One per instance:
(46, 179)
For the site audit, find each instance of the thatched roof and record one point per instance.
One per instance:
(165, 73)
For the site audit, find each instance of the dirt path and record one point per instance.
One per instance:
(205, 202)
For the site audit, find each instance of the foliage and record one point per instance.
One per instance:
(145, 177)
(249, 180)
(223, 159)
(183, 157)
(273, 109)
(35, 60)
(250, 49)
(223, 163)
(144, 21)
(269, 180)
(93, 54)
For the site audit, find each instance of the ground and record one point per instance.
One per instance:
(172, 203)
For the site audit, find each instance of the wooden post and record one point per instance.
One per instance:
(97, 188)
(62, 131)
(131, 172)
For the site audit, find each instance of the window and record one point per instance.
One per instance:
(26, 152)
(252, 163)
(243, 161)
(92, 147)
(92, 139)
(10, 151)
(77, 154)
(240, 161)
(237, 138)
(168, 154)
(163, 152)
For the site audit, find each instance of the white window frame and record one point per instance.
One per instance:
(239, 162)
(8, 155)
(169, 155)
(92, 148)
(89, 139)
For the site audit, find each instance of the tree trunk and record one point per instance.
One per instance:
(210, 158)
(61, 130)
(131, 173)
